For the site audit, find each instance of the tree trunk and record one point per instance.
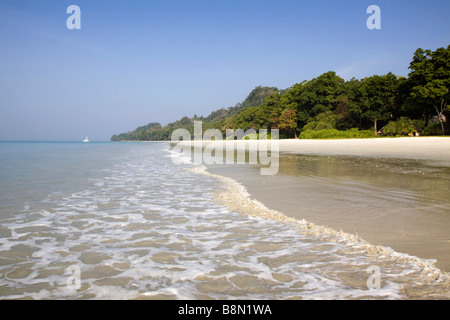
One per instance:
(375, 126)
(442, 126)
(440, 114)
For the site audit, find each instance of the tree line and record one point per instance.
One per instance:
(329, 107)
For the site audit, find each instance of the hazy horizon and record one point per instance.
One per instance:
(135, 62)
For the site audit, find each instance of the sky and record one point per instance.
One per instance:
(139, 61)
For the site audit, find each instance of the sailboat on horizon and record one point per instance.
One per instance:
(86, 140)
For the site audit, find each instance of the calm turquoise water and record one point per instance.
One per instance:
(122, 221)
(32, 170)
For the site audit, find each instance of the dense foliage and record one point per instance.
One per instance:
(329, 107)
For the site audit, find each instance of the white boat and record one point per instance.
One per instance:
(86, 140)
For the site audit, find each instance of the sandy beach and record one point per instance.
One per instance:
(435, 149)
(422, 148)
(389, 191)
(127, 221)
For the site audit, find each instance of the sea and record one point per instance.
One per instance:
(105, 220)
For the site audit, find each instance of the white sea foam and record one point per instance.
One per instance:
(146, 228)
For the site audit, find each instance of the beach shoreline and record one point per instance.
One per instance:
(394, 215)
(423, 148)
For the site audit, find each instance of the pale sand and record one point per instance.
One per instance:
(393, 218)
(423, 148)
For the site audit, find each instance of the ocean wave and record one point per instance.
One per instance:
(417, 277)
(146, 228)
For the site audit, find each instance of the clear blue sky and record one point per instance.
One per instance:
(140, 61)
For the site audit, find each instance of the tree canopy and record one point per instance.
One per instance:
(430, 83)
(417, 103)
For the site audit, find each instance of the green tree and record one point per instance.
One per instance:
(288, 121)
(344, 117)
(320, 94)
(379, 94)
(313, 97)
(327, 103)
(430, 82)
(324, 120)
(257, 96)
(403, 127)
(350, 110)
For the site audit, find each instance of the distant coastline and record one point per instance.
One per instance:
(330, 107)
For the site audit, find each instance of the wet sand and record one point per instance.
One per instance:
(391, 192)
(435, 149)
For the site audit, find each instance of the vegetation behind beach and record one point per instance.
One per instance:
(329, 107)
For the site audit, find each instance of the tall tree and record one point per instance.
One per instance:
(288, 121)
(344, 119)
(310, 98)
(379, 98)
(430, 79)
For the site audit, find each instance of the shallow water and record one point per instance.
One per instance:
(136, 226)
(398, 203)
